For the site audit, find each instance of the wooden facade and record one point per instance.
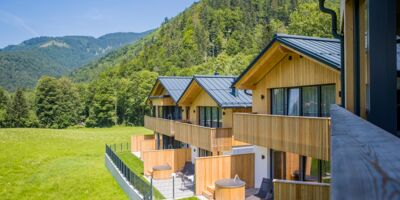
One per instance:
(140, 143)
(370, 38)
(293, 70)
(210, 169)
(211, 139)
(160, 125)
(214, 140)
(175, 158)
(308, 136)
(289, 190)
(284, 67)
(162, 101)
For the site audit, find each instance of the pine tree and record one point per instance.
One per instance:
(17, 114)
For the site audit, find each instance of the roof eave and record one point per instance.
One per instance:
(254, 61)
(310, 54)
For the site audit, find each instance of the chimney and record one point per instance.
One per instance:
(216, 73)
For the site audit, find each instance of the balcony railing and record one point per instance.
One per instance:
(308, 136)
(300, 190)
(211, 139)
(365, 159)
(160, 125)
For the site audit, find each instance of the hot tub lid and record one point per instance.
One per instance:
(230, 183)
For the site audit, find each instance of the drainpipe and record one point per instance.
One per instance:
(341, 39)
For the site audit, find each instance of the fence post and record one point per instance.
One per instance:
(151, 187)
(173, 186)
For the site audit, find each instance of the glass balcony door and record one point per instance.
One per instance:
(303, 101)
(210, 117)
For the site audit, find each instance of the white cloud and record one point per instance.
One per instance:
(13, 20)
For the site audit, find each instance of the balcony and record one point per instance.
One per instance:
(211, 139)
(159, 125)
(308, 136)
(300, 190)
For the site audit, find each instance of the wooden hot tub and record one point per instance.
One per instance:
(162, 172)
(230, 189)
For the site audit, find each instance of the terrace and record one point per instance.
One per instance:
(160, 125)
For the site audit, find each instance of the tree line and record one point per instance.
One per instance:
(212, 35)
(60, 103)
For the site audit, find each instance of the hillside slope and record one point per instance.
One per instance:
(21, 65)
(210, 35)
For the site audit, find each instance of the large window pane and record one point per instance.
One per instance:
(214, 112)
(153, 111)
(294, 101)
(220, 117)
(278, 101)
(327, 98)
(208, 116)
(160, 111)
(202, 116)
(310, 101)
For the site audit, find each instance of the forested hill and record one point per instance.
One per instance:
(210, 35)
(23, 64)
(213, 35)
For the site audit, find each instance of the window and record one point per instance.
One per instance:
(160, 112)
(204, 153)
(310, 101)
(303, 101)
(178, 113)
(278, 101)
(327, 98)
(210, 117)
(202, 116)
(214, 118)
(294, 102)
(153, 111)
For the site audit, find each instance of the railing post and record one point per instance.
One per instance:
(151, 187)
(173, 186)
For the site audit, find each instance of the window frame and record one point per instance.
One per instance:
(286, 99)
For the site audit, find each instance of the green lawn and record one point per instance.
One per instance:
(59, 164)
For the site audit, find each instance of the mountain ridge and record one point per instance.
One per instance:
(23, 64)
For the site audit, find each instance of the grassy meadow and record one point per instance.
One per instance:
(59, 164)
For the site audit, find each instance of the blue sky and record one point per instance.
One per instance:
(24, 19)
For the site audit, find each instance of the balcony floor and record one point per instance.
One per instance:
(165, 187)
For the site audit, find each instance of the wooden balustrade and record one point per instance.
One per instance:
(308, 136)
(211, 139)
(285, 190)
(212, 168)
(365, 159)
(159, 125)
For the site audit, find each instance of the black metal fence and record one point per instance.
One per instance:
(122, 147)
(138, 183)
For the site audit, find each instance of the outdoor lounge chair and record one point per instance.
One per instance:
(187, 170)
(266, 190)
